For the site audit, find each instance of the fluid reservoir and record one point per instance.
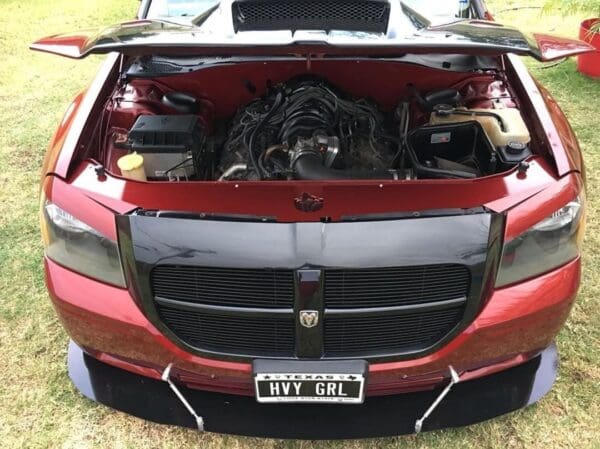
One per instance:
(503, 125)
(132, 166)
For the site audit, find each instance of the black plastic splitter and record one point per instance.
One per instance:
(470, 402)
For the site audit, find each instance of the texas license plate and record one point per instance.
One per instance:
(309, 382)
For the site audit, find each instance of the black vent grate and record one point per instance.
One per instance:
(326, 15)
(231, 287)
(251, 336)
(388, 334)
(161, 67)
(390, 287)
(369, 313)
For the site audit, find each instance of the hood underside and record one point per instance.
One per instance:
(217, 32)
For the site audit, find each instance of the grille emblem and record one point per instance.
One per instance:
(309, 318)
(308, 202)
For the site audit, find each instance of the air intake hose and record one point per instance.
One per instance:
(309, 166)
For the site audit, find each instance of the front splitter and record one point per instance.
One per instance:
(468, 403)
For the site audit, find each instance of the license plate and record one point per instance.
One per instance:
(309, 382)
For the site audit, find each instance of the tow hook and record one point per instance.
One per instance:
(166, 377)
(454, 379)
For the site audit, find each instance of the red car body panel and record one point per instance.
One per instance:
(65, 141)
(515, 324)
(551, 126)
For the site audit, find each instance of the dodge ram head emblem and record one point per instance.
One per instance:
(309, 318)
(308, 202)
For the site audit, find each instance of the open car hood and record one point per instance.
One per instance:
(214, 33)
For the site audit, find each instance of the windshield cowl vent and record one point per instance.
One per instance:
(346, 15)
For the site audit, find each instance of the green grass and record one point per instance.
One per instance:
(38, 405)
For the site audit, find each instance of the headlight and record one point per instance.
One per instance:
(549, 244)
(75, 245)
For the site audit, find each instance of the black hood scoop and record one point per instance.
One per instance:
(347, 15)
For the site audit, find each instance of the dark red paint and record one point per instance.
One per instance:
(516, 323)
(553, 47)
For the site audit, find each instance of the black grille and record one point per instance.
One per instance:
(387, 334)
(250, 336)
(352, 15)
(373, 312)
(225, 286)
(390, 287)
(161, 67)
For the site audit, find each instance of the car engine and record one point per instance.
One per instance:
(307, 129)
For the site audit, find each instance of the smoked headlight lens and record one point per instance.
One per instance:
(549, 244)
(75, 245)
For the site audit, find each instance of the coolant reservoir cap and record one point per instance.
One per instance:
(130, 162)
(443, 109)
(516, 148)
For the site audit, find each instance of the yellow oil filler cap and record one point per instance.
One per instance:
(132, 166)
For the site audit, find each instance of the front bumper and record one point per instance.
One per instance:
(514, 325)
(468, 403)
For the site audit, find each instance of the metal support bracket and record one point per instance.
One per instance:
(454, 379)
(166, 377)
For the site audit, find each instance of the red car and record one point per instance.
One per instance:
(313, 218)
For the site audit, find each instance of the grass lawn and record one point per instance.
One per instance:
(38, 405)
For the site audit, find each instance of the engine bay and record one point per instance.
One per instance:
(307, 127)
